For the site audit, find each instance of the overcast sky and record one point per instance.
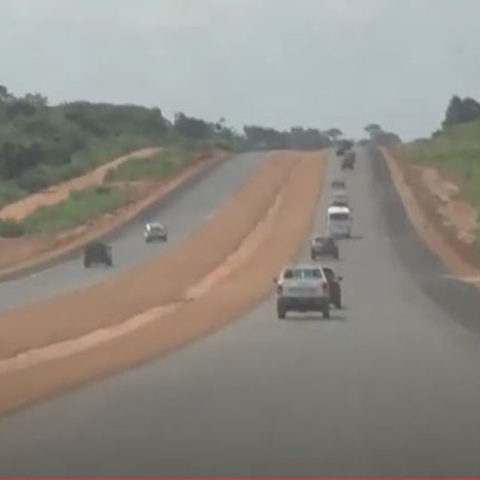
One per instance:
(318, 63)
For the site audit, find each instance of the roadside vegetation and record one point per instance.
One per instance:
(455, 148)
(42, 145)
(79, 208)
(161, 165)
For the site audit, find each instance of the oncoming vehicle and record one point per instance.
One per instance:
(323, 246)
(339, 221)
(97, 253)
(340, 200)
(303, 288)
(155, 231)
(339, 184)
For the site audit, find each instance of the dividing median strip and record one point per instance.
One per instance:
(68, 347)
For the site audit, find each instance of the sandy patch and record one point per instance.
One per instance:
(18, 256)
(444, 222)
(236, 289)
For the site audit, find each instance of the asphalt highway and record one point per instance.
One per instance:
(389, 386)
(182, 211)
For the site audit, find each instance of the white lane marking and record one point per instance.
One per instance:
(474, 279)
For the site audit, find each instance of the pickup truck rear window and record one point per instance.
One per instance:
(339, 216)
(303, 273)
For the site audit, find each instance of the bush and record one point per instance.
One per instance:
(11, 228)
(81, 207)
(33, 180)
(10, 192)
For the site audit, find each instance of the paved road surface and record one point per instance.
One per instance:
(388, 387)
(182, 212)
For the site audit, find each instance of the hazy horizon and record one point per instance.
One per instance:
(278, 63)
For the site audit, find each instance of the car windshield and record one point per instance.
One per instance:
(339, 216)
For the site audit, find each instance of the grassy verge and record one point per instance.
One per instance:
(159, 166)
(86, 205)
(10, 192)
(81, 207)
(456, 151)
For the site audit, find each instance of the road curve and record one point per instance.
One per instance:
(387, 387)
(183, 211)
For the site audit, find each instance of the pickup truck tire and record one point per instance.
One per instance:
(338, 301)
(281, 312)
(326, 311)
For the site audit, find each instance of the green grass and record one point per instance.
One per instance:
(455, 149)
(10, 192)
(81, 207)
(164, 163)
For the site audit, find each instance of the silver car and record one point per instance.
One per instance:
(155, 231)
(303, 288)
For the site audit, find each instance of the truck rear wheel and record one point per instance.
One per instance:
(326, 311)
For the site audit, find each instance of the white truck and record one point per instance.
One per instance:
(339, 221)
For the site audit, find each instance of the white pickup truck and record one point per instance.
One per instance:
(303, 288)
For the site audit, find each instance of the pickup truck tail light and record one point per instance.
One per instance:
(279, 289)
(325, 288)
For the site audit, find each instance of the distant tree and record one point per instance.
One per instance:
(373, 128)
(36, 100)
(192, 127)
(461, 111)
(4, 95)
(387, 139)
(334, 133)
(20, 107)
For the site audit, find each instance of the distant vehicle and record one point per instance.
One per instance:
(339, 184)
(349, 160)
(340, 200)
(340, 151)
(334, 287)
(303, 288)
(155, 231)
(97, 253)
(339, 221)
(322, 246)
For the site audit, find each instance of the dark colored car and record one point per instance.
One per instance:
(340, 151)
(324, 246)
(334, 287)
(338, 184)
(97, 253)
(349, 160)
